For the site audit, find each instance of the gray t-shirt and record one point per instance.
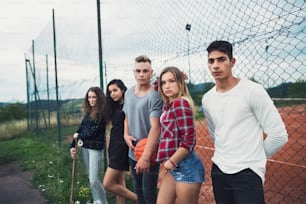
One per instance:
(139, 110)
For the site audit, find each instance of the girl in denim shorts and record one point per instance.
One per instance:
(184, 170)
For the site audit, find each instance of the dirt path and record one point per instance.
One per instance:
(15, 186)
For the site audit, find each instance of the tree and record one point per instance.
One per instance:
(13, 111)
(298, 89)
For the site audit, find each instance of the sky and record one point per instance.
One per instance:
(23, 21)
(20, 23)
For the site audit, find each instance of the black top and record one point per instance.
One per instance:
(118, 149)
(92, 133)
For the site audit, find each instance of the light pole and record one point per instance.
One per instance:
(188, 27)
(267, 62)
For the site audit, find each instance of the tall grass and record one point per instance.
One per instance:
(12, 129)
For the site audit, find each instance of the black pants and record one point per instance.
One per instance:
(244, 187)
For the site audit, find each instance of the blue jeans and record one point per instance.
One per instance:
(92, 160)
(145, 184)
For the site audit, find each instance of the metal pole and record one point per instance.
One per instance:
(56, 85)
(48, 92)
(105, 73)
(28, 95)
(30, 104)
(35, 90)
(100, 44)
(101, 69)
(189, 58)
(267, 63)
(188, 27)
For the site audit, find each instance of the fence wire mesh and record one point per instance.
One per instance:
(269, 39)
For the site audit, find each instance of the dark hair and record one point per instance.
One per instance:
(110, 103)
(222, 46)
(97, 112)
(142, 58)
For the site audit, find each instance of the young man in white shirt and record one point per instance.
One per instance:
(238, 112)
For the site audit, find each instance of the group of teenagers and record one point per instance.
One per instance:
(238, 112)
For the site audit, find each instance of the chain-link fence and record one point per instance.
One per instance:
(269, 39)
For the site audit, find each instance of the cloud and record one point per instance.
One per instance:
(155, 28)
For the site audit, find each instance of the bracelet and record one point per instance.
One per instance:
(173, 163)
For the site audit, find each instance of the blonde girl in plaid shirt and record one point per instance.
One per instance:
(185, 171)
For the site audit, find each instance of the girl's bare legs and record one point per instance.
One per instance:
(172, 192)
(120, 199)
(114, 182)
(187, 193)
(166, 193)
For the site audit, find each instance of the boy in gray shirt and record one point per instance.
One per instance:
(143, 107)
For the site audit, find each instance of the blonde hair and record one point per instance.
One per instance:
(183, 89)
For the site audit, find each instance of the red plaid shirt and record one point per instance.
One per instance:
(177, 129)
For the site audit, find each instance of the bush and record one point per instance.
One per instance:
(14, 111)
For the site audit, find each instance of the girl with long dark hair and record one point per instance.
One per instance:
(114, 180)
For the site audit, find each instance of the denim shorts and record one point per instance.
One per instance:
(189, 170)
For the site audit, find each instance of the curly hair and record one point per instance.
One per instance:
(98, 111)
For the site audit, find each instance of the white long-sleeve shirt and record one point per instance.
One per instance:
(236, 122)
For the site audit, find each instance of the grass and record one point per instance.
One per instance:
(12, 129)
(50, 164)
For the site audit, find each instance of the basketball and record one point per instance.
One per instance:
(139, 148)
